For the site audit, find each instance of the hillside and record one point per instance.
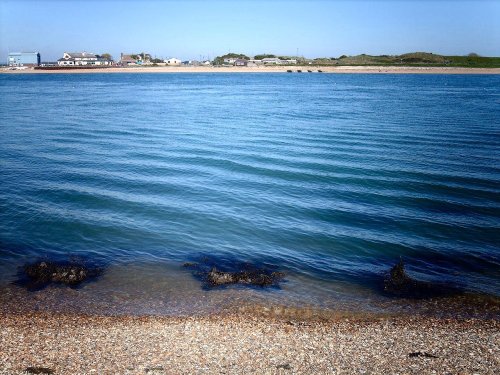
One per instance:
(413, 59)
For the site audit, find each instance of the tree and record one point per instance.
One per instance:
(107, 56)
(264, 56)
(219, 60)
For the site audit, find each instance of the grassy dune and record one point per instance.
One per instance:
(413, 59)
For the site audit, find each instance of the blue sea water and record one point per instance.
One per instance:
(332, 178)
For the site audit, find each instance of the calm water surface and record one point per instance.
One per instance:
(330, 177)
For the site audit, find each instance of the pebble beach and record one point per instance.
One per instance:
(246, 344)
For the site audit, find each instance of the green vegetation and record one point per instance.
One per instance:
(106, 56)
(219, 60)
(472, 60)
(143, 56)
(264, 56)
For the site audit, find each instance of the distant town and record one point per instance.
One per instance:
(79, 60)
(87, 59)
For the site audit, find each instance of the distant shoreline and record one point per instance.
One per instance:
(267, 69)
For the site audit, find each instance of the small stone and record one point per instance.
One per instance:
(39, 370)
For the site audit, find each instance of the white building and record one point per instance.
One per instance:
(81, 59)
(271, 60)
(230, 60)
(173, 61)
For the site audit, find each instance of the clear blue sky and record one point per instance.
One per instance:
(189, 29)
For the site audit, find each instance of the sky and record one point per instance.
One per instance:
(192, 29)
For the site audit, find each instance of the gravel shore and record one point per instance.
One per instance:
(246, 344)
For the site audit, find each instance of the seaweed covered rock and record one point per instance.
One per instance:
(234, 272)
(44, 272)
(215, 277)
(259, 277)
(399, 284)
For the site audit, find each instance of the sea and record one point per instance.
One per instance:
(331, 179)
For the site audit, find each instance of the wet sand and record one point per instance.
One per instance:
(246, 344)
(268, 69)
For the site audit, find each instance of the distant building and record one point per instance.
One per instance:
(206, 63)
(274, 61)
(173, 61)
(24, 59)
(253, 62)
(271, 60)
(230, 60)
(240, 62)
(82, 59)
(138, 59)
(127, 60)
(191, 63)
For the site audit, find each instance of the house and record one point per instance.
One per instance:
(275, 61)
(24, 59)
(191, 63)
(128, 59)
(173, 61)
(271, 61)
(240, 62)
(82, 59)
(135, 59)
(206, 63)
(230, 60)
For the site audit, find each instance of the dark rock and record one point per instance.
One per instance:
(422, 354)
(215, 277)
(285, 366)
(220, 272)
(398, 281)
(39, 370)
(399, 284)
(43, 273)
(154, 369)
(259, 277)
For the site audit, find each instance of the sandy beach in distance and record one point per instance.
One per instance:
(242, 344)
(268, 69)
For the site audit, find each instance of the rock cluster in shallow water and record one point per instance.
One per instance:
(245, 274)
(399, 284)
(257, 277)
(43, 273)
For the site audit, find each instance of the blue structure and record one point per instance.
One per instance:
(24, 59)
